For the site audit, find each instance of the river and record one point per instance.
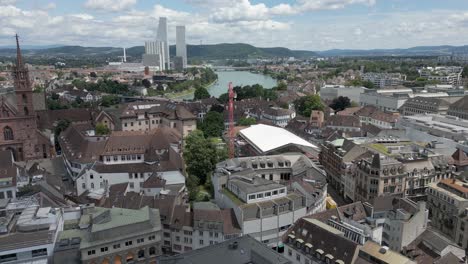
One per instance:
(238, 78)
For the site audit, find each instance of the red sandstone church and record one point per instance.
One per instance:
(18, 126)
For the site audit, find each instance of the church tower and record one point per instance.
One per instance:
(23, 89)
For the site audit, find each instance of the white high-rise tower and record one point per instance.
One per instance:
(181, 45)
(162, 37)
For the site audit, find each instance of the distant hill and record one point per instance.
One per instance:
(227, 51)
(415, 51)
(216, 51)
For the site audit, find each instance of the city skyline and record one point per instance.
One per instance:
(295, 24)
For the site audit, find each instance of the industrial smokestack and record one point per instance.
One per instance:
(124, 56)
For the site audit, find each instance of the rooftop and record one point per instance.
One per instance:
(241, 250)
(268, 138)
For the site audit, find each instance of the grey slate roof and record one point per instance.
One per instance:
(248, 250)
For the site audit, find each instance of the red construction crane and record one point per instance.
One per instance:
(231, 121)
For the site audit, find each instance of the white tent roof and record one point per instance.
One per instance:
(266, 138)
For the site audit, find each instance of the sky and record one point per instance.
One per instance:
(295, 24)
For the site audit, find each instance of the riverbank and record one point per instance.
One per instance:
(186, 93)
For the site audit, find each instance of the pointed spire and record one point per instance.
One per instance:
(19, 61)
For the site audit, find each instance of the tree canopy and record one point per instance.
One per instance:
(340, 103)
(200, 155)
(102, 129)
(201, 93)
(305, 105)
(246, 121)
(213, 124)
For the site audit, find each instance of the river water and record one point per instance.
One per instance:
(238, 78)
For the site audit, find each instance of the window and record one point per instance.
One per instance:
(108, 158)
(8, 133)
(152, 251)
(200, 233)
(289, 252)
(275, 192)
(39, 252)
(298, 257)
(216, 234)
(188, 233)
(128, 243)
(140, 240)
(116, 158)
(281, 191)
(201, 241)
(267, 194)
(251, 197)
(177, 238)
(125, 124)
(116, 246)
(122, 157)
(83, 185)
(131, 123)
(104, 249)
(92, 185)
(211, 234)
(211, 242)
(153, 237)
(186, 240)
(91, 252)
(91, 176)
(260, 195)
(141, 254)
(132, 185)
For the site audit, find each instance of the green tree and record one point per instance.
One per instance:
(109, 100)
(146, 83)
(306, 104)
(282, 86)
(213, 124)
(200, 156)
(102, 129)
(340, 103)
(201, 93)
(61, 125)
(246, 121)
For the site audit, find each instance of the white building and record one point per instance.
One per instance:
(29, 236)
(256, 188)
(330, 92)
(162, 38)
(181, 46)
(381, 80)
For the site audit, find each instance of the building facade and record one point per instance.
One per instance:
(18, 125)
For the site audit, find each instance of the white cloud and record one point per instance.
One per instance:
(83, 16)
(255, 24)
(7, 2)
(110, 5)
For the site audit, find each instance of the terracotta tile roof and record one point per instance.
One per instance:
(154, 182)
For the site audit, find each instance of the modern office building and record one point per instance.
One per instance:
(381, 80)
(28, 233)
(101, 235)
(154, 54)
(181, 45)
(162, 37)
(330, 92)
(269, 193)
